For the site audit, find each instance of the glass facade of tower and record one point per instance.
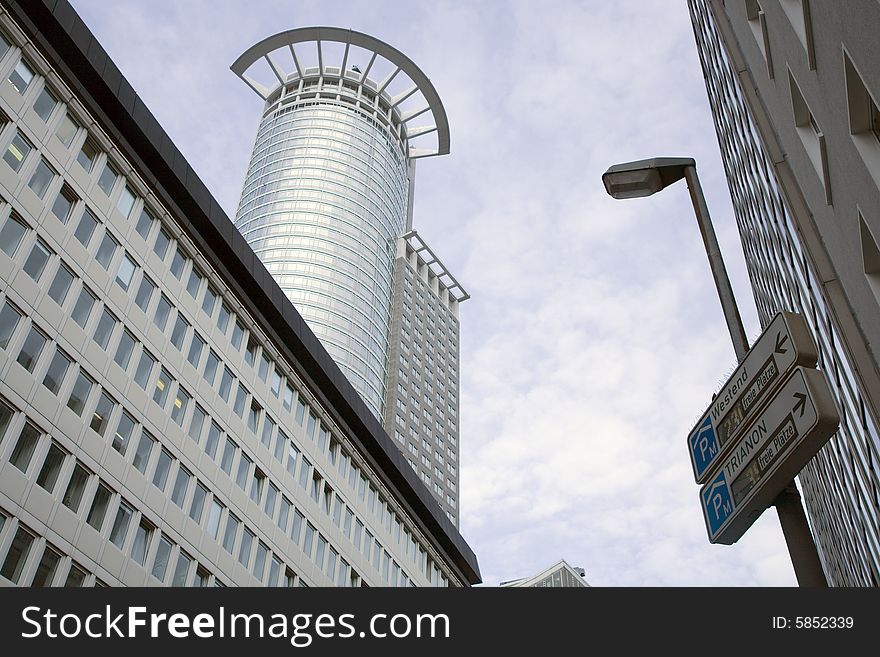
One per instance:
(324, 200)
(840, 485)
(327, 207)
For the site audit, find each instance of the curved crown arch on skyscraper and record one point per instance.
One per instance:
(378, 50)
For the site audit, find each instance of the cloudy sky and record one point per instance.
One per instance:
(594, 338)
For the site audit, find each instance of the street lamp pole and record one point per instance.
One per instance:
(716, 264)
(646, 177)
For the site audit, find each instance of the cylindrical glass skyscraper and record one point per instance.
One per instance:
(327, 192)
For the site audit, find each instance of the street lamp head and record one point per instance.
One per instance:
(644, 177)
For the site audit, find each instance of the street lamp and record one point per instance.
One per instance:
(646, 177)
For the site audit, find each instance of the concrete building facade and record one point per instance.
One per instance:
(166, 415)
(793, 86)
(421, 404)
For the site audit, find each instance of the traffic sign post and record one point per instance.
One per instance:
(785, 344)
(771, 450)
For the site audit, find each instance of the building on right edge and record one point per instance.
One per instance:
(793, 87)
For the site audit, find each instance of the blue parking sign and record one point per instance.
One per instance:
(704, 446)
(717, 503)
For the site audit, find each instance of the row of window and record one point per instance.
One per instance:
(863, 115)
(248, 476)
(53, 567)
(57, 462)
(106, 327)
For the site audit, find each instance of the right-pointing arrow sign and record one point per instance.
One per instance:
(772, 449)
(801, 400)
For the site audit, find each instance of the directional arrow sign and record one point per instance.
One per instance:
(774, 447)
(783, 345)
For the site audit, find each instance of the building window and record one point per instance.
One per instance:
(125, 272)
(17, 151)
(864, 118)
(45, 104)
(144, 451)
(194, 283)
(181, 403)
(178, 262)
(11, 234)
(244, 550)
(76, 577)
(75, 488)
(240, 397)
(80, 393)
(67, 130)
(21, 76)
(272, 493)
(231, 533)
(223, 321)
(31, 349)
(144, 293)
(163, 466)
(251, 352)
(99, 507)
(107, 250)
(160, 247)
(163, 310)
(200, 494)
(63, 205)
(228, 456)
(17, 555)
(254, 416)
(163, 382)
(126, 200)
(86, 228)
(811, 136)
(124, 432)
(225, 384)
(108, 179)
(178, 333)
(212, 362)
(196, 424)
(102, 413)
(141, 543)
(213, 440)
(87, 155)
(214, 516)
(181, 485)
(83, 307)
(209, 301)
(46, 568)
(268, 430)
(57, 369)
(160, 563)
(41, 178)
(181, 570)
(244, 467)
(258, 482)
(144, 369)
(104, 329)
(144, 224)
(120, 524)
